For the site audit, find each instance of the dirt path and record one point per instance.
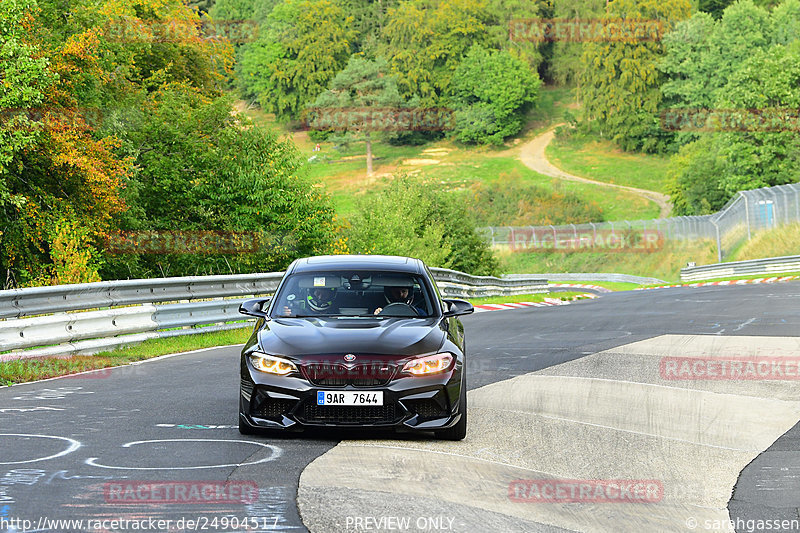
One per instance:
(532, 155)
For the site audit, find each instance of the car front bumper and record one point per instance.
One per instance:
(410, 403)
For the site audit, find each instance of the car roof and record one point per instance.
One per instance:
(357, 262)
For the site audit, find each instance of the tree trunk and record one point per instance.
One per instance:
(369, 155)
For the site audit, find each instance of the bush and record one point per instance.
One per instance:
(491, 91)
(511, 201)
(412, 217)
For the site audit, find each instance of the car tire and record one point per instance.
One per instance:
(459, 431)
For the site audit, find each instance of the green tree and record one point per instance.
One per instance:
(750, 64)
(695, 178)
(502, 13)
(201, 168)
(687, 64)
(620, 78)
(55, 176)
(426, 40)
(785, 20)
(565, 59)
(743, 30)
(415, 218)
(770, 153)
(304, 45)
(364, 86)
(491, 91)
(242, 10)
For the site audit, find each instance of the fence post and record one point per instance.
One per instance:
(719, 243)
(746, 215)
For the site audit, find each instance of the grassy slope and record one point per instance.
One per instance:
(602, 161)
(342, 171)
(663, 264)
(773, 243)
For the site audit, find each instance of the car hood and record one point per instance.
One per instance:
(295, 337)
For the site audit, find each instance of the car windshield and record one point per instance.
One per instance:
(353, 294)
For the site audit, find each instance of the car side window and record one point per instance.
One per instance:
(436, 290)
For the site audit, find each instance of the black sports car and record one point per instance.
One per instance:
(355, 341)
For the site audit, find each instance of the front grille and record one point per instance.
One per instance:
(273, 408)
(341, 414)
(428, 408)
(338, 375)
(341, 382)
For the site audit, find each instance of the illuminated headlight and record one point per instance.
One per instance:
(271, 364)
(429, 365)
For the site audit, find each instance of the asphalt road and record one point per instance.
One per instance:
(76, 448)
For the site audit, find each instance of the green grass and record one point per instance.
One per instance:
(776, 242)
(468, 169)
(342, 171)
(534, 298)
(549, 110)
(603, 161)
(25, 370)
(662, 264)
(611, 285)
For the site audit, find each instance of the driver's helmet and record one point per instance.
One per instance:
(399, 294)
(320, 298)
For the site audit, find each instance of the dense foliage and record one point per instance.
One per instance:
(412, 217)
(746, 66)
(118, 115)
(430, 48)
(512, 201)
(115, 121)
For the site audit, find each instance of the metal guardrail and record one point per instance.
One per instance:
(91, 317)
(593, 276)
(765, 267)
(40, 300)
(455, 284)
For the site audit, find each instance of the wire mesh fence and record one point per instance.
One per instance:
(745, 214)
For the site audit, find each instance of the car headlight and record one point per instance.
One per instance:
(271, 364)
(429, 365)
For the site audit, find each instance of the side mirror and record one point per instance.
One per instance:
(256, 307)
(458, 308)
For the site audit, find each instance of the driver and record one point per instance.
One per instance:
(318, 300)
(399, 295)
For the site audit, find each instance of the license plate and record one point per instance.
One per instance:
(349, 398)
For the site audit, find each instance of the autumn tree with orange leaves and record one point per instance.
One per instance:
(113, 117)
